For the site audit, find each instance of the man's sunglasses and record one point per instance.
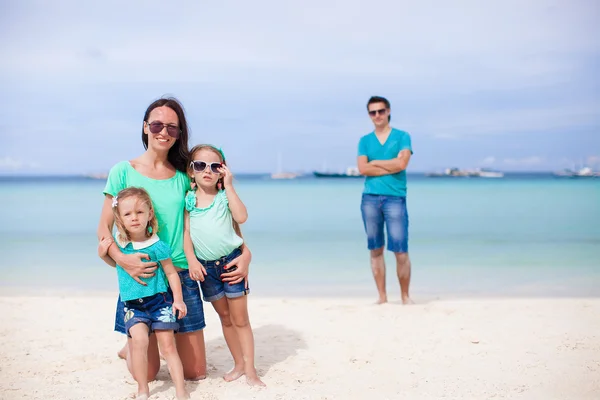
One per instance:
(200, 166)
(156, 127)
(375, 112)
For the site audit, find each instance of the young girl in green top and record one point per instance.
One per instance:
(210, 242)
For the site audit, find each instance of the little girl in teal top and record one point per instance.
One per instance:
(211, 240)
(150, 307)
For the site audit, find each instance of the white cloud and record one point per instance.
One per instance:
(489, 160)
(13, 164)
(524, 162)
(593, 160)
(524, 119)
(464, 44)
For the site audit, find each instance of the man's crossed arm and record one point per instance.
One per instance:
(384, 167)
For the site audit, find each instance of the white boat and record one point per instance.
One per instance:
(284, 175)
(351, 172)
(460, 173)
(280, 174)
(486, 173)
(585, 172)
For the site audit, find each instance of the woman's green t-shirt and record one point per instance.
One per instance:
(168, 199)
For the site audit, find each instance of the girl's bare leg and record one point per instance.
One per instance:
(138, 349)
(238, 308)
(153, 357)
(231, 338)
(166, 343)
(192, 353)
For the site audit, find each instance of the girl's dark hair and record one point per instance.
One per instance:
(178, 154)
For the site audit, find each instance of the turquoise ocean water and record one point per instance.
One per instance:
(524, 235)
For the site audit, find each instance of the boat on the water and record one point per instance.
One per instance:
(284, 175)
(351, 172)
(281, 174)
(460, 173)
(585, 172)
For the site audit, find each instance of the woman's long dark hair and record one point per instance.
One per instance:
(179, 153)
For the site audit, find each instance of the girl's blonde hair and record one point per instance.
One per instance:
(142, 196)
(209, 147)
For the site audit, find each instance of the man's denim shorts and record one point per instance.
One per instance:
(194, 319)
(213, 288)
(155, 311)
(378, 210)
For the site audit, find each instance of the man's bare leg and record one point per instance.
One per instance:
(378, 268)
(403, 270)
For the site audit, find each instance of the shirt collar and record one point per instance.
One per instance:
(136, 245)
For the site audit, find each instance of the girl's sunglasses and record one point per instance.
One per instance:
(200, 166)
(156, 127)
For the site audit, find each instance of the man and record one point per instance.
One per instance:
(383, 156)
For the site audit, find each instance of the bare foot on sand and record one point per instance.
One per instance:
(407, 300)
(138, 396)
(123, 352)
(234, 374)
(381, 300)
(183, 396)
(254, 380)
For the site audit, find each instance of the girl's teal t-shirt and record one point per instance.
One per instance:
(168, 199)
(211, 228)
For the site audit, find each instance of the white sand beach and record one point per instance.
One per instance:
(63, 348)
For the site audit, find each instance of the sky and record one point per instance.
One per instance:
(508, 85)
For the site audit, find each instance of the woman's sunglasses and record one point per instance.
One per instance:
(156, 127)
(200, 166)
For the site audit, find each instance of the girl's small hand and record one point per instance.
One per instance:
(103, 247)
(181, 307)
(227, 175)
(197, 271)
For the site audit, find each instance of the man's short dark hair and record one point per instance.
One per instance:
(379, 99)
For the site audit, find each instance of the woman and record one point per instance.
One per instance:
(161, 170)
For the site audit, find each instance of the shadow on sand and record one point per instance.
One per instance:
(273, 344)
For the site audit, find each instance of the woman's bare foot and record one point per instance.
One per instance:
(254, 380)
(234, 374)
(123, 352)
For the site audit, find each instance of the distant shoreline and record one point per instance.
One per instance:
(308, 175)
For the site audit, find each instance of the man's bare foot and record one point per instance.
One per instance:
(123, 352)
(234, 374)
(407, 300)
(254, 380)
(381, 300)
